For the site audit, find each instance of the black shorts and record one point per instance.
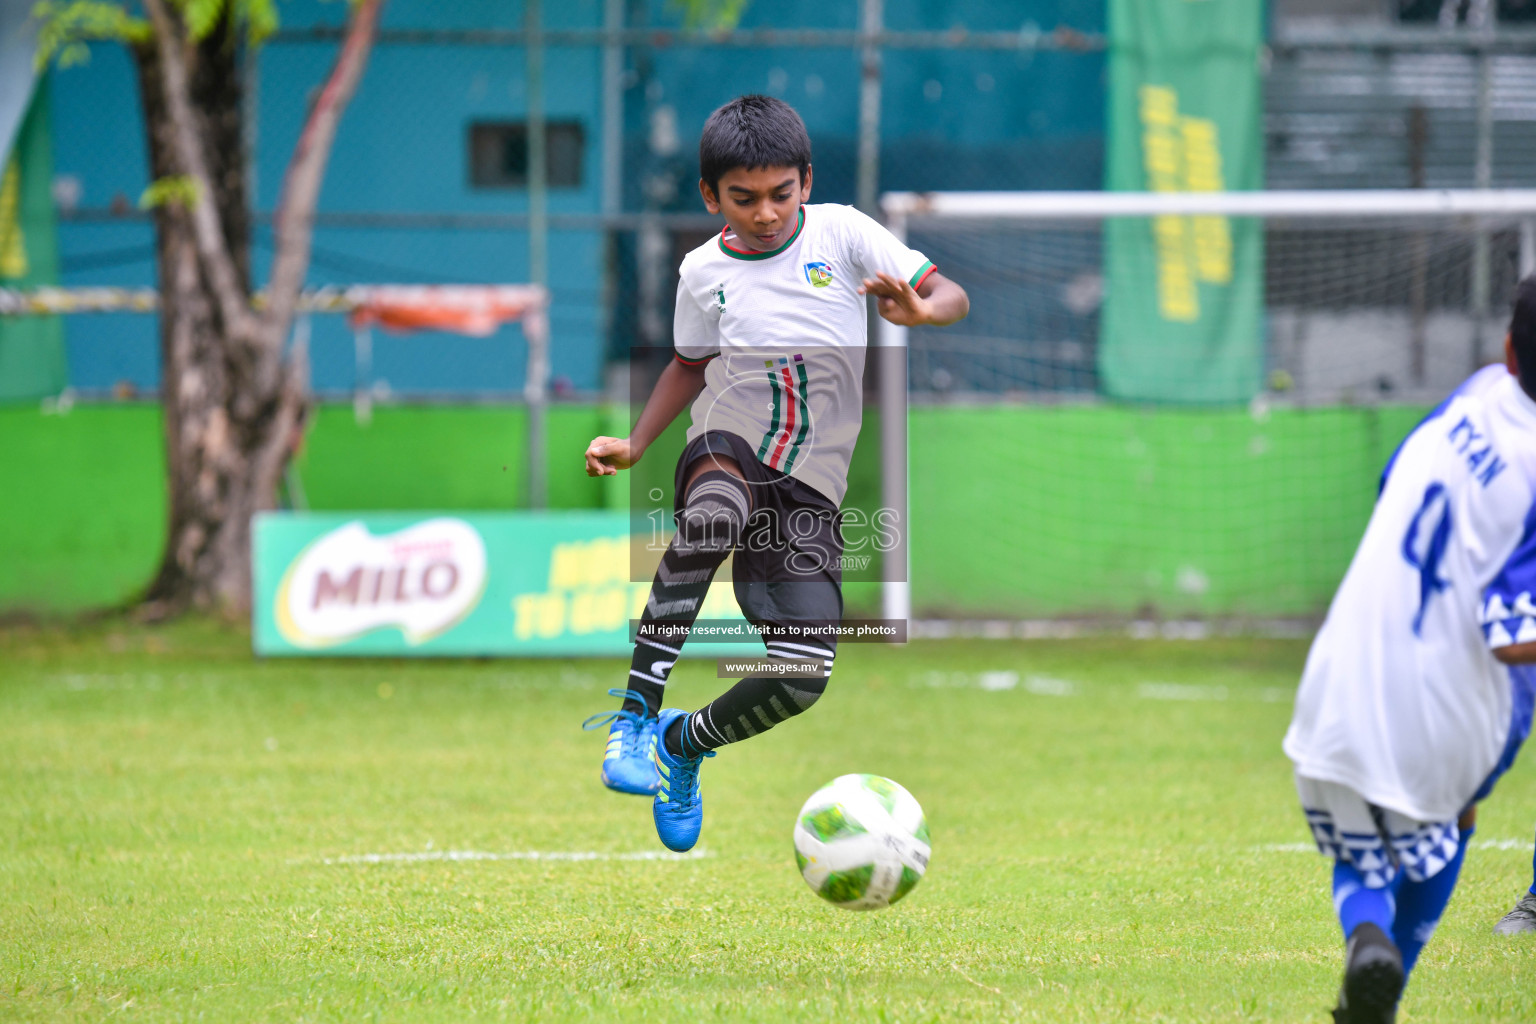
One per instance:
(788, 566)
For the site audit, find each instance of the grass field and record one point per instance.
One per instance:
(1115, 838)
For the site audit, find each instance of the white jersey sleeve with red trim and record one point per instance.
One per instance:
(695, 328)
(878, 251)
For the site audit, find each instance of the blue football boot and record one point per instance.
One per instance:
(678, 809)
(627, 764)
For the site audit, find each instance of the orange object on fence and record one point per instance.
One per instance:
(476, 310)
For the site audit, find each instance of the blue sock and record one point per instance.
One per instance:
(1355, 904)
(1420, 904)
(1533, 874)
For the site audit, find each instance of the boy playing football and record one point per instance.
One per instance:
(769, 338)
(1416, 695)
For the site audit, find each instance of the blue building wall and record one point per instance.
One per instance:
(98, 144)
(950, 119)
(955, 119)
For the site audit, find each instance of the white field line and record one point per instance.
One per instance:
(1522, 845)
(544, 855)
(1502, 844)
(998, 681)
(1047, 686)
(1180, 691)
(1059, 629)
(1002, 680)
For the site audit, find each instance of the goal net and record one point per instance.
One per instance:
(1179, 405)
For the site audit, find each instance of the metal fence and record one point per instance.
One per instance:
(556, 152)
(416, 193)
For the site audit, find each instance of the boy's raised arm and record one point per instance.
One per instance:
(679, 384)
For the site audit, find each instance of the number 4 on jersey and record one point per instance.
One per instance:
(1424, 546)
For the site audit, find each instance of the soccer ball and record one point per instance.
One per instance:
(861, 842)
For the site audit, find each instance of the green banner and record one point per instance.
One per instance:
(32, 360)
(511, 583)
(1183, 310)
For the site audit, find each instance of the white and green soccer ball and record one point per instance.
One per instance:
(861, 842)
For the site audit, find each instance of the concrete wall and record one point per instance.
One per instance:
(1017, 510)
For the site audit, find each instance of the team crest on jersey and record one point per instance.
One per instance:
(719, 296)
(818, 274)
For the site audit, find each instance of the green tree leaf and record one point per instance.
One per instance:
(711, 15)
(259, 18)
(201, 16)
(256, 18)
(180, 189)
(65, 26)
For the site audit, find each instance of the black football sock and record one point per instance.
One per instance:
(755, 704)
(709, 528)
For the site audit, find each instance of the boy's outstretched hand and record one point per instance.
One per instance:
(607, 455)
(897, 301)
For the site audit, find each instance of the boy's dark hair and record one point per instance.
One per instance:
(753, 131)
(1522, 333)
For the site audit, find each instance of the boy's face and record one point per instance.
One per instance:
(762, 206)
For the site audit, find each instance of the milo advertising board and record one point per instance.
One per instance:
(483, 584)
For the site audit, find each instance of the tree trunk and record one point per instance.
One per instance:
(206, 467)
(232, 399)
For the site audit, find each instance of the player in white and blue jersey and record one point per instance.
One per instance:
(1416, 694)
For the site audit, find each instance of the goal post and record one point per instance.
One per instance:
(903, 207)
(1136, 334)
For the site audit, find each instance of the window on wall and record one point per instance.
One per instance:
(498, 154)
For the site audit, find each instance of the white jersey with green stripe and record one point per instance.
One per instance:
(783, 333)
